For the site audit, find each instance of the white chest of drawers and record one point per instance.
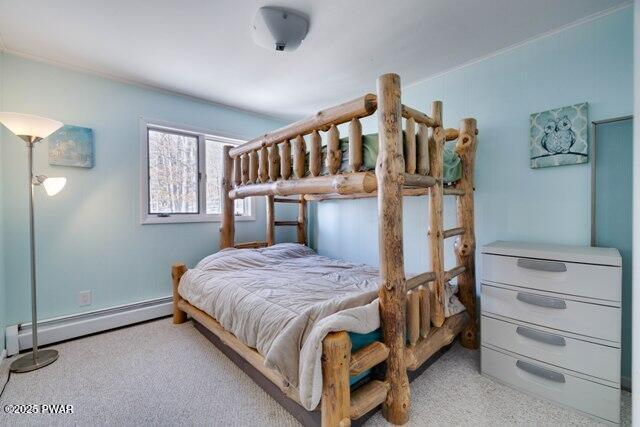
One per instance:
(550, 323)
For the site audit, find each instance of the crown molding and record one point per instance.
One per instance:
(581, 21)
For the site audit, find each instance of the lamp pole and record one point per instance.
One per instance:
(40, 358)
(32, 240)
(32, 129)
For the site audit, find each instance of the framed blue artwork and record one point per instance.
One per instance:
(71, 146)
(559, 137)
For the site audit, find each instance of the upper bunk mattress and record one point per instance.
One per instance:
(452, 170)
(282, 300)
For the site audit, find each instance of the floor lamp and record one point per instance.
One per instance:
(32, 129)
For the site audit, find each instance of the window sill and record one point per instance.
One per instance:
(184, 219)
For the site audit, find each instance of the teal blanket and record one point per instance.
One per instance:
(357, 342)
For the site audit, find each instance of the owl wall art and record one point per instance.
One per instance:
(559, 137)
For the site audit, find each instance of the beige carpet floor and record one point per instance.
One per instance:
(161, 374)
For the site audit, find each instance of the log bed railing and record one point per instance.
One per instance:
(412, 311)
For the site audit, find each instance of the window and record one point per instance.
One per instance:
(181, 173)
(213, 156)
(173, 173)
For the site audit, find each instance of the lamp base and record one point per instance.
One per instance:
(26, 362)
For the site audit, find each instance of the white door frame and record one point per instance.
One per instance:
(594, 138)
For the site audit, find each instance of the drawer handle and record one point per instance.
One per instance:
(542, 337)
(542, 265)
(541, 372)
(542, 301)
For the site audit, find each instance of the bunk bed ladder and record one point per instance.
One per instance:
(300, 223)
(463, 232)
(465, 245)
(425, 292)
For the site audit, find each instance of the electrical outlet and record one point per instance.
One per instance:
(84, 298)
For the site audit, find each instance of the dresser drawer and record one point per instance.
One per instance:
(554, 348)
(552, 383)
(586, 280)
(553, 311)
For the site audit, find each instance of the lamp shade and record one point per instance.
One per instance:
(54, 185)
(29, 125)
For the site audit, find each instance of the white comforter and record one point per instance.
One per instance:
(283, 300)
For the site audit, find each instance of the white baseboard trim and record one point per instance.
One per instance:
(18, 337)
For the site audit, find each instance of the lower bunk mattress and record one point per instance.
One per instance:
(283, 300)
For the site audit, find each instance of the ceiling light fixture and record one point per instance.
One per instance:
(279, 29)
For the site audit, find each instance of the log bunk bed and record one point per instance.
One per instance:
(412, 311)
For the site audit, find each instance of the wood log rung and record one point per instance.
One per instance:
(367, 357)
(454, 232)
(418, 116)
(286, 223)
(368, 397)
(359, 107)
(281, 200)
(420, 280)
(449, 191)
(455, 271)
(451, 134)
(411, 192)
(349, 183)
(417, 180)
(251, 245)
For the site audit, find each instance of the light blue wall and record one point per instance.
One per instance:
(590, 62)
(89, 235)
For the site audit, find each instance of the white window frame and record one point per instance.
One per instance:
(202, 135)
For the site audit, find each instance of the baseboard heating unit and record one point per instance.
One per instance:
(18, 337)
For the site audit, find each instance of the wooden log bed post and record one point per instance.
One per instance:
(335, 404)
(436, 228)
(227, 227)
(302, 220)
(393, 292)
(177, 270)
(271, 220)
(465, 245)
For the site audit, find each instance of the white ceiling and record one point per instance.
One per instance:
(204, 48)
